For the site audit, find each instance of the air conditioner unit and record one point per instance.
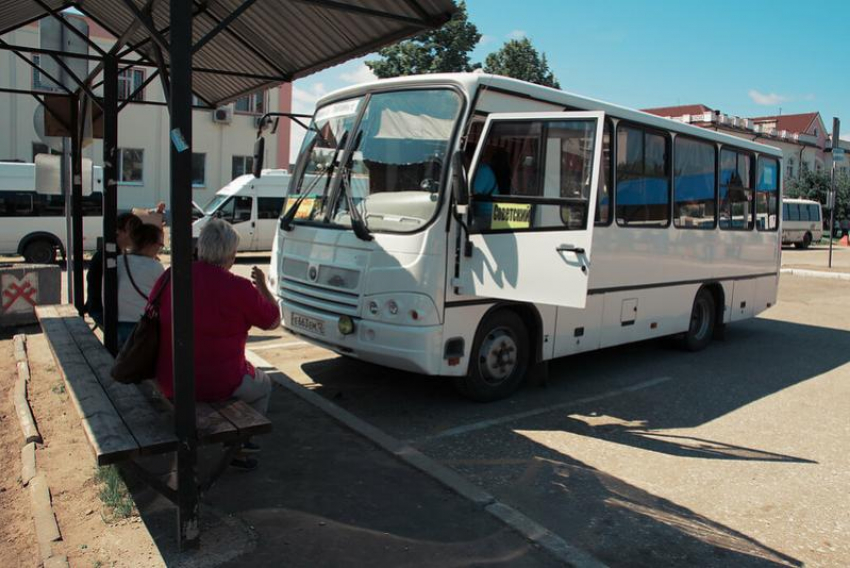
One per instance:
(223, 115)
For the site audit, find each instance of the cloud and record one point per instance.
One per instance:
(517, 34)
(360, 75)
(767, 100)
(809, 97)
(304, 99)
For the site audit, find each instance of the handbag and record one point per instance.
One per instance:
(136, 361)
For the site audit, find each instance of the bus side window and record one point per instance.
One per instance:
(269, 207)
(767, 194)
(15, 204)
(736, 193)
(643, 180)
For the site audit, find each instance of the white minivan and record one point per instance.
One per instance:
(252, 205)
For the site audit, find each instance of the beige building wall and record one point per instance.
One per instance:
(141, 126)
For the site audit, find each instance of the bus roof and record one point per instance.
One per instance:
(472, 82)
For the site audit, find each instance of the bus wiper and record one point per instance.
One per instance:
(287, 218)
(357, 223)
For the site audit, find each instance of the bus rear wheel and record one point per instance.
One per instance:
(701, 328)
(40, 251)
(804, 244)
(498, 360)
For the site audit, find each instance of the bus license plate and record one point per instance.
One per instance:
(307, 324)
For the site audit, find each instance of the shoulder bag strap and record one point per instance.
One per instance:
(133, 282)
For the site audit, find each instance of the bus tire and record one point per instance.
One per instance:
(499, 358)
(703, 320)
(40, 251)
(804, 244)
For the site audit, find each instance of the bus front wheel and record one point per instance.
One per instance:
(701, 328)
(498, 360)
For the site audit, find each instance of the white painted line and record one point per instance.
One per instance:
(537, 411)
(816, 274)
(287, 345)
(552, 543)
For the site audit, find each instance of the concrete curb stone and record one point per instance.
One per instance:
(816, 273)
(28, 469)
(46, 529)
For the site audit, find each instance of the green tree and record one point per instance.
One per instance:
(445, 50)
(518, 59)
(815, 186)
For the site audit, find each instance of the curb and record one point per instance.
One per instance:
(46, 527)
(528, 528)
(816, 273)
(22, 407)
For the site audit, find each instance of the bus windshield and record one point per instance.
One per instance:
(393, 171)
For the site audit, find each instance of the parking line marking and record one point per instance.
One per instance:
(466, 428)
(286, 345)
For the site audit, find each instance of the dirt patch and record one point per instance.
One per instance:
(17, 532)
(92, 534)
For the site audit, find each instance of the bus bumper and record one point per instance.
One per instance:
(409, 348)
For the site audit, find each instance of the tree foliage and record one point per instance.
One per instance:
(815, 186)
(520, 60)
(445, 50)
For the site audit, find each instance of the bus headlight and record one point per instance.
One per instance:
(401, 309)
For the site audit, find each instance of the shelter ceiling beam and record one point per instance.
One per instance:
(22, 24)
(222, 24)
(138, 90)
(145, 18)
(80, 83)
(56, 14)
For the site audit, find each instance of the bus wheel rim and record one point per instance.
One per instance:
(497, 356)
(700, 319)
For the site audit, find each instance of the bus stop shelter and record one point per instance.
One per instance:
(217, 50)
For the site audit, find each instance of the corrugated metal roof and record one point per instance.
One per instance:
(271, 42)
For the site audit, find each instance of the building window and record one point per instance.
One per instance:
(199, 170)
(789, 168)
(39, 81)
(255, 104)
(131, 165)
(241, 165)
(128, 81)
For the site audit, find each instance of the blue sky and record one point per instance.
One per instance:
(744, 57)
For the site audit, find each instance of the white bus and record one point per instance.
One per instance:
(802, 222)
(32, 224)
(588, 225)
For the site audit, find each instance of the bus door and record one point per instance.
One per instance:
(533, 185)
(238, 210)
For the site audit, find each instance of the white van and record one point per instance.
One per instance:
(252, 205)
(802, 222)
(32, 224)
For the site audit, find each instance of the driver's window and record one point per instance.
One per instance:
(242, 209)
(533, 174)
(225, 212)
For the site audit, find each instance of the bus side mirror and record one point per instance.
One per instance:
(259, 152)
(460, 185)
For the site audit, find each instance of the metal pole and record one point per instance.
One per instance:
(110, 203)
(75, 246)
(180, 111)
(69, 230)
(836, 126)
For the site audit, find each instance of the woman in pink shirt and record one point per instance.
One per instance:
(226, 306)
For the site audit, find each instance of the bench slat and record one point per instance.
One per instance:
(152, 430)
(213, 428)
(107, 434)
(246, 419)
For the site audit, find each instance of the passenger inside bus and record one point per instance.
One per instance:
(493, 177)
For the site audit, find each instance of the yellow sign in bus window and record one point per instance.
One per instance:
(305, 208)
(511, 216)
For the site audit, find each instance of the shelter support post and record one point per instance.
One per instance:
(110, 203)
(181, 267)
(75, 246)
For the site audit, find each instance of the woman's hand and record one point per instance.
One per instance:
(259, 278)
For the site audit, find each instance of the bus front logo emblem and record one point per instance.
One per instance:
(313, 273)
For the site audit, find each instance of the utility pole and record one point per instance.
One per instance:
(837, 155)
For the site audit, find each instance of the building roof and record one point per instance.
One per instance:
(262, 43)
(799, 123)
(680, 110)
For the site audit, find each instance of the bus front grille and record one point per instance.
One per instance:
(319, 298)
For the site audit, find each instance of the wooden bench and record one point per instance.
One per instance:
(122, 422)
